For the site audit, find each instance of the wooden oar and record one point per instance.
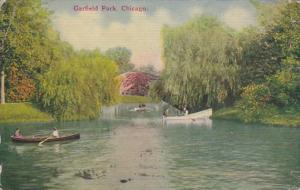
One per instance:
(40, 143)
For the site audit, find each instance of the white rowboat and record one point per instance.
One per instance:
(205, 114)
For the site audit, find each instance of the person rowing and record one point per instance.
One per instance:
(55, 133)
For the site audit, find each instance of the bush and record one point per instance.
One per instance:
(285, 86)
(255, 98)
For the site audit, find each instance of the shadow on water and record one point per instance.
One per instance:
(131, 150)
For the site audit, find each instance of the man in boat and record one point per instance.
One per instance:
(55, 133)
(17, 133)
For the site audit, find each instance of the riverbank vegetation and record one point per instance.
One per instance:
(22, 112)
(43, 69)
(269, 116)
(254, 73)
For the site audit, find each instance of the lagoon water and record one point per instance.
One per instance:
(133, 151)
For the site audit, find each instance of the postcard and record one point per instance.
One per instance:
(149, 95)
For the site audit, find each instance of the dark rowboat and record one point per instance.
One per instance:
(40, 139)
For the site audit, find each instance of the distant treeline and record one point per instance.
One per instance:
(208, 64)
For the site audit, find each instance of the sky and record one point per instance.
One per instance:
(138, 30)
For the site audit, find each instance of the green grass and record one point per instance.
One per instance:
(228, 114)
(22, 112)
(136, 99)
(282, 118)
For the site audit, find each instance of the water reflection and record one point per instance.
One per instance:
(138, 154)
(132, 151)
(208, 123)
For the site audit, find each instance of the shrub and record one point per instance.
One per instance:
(255, 98)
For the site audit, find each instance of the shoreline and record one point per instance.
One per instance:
(26, 112)
(22, 112)
(278, 119)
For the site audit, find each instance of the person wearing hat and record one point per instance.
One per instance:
(55, 132)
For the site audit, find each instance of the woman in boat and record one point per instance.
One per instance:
(18, 133)
(55, 133)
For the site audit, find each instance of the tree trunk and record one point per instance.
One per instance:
(2, 95)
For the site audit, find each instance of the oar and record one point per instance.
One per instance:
(40, 143)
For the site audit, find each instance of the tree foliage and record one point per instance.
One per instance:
(121, 55)
(200, 63)
(77, 88)
(260, 56)
(20, 87)
(67, 84)
(255, 98)
(28, 42)
(283, 83)
(206, 63)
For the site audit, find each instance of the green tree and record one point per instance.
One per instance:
(200, 64)
(27, 39)
(260, 56)
(284, 31)
(122, 56)
(78, 87)
(255, 98)
(281, 85)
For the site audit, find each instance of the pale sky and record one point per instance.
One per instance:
(138, 31)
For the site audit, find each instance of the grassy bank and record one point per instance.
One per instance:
(283, 118)
(136, 99)
(22, 112)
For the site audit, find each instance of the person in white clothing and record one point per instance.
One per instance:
(186, 112)
(55, 133)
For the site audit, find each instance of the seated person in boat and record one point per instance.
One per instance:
(55, 132)
(165, 114)
(186, 112)
(18, 133)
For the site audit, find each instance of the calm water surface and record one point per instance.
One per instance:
(137, 149)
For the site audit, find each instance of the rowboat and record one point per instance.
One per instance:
(205, 114)
(139, 109)
(34, 139)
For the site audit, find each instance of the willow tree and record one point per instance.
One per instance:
(200, 63)
(78, 87)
